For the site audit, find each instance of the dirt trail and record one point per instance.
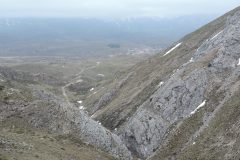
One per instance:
(74, 80)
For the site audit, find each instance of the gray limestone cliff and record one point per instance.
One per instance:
(212, 68)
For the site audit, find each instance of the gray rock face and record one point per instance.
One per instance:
(185, 90)
(93, 133)
(70, 120)
(174, 101)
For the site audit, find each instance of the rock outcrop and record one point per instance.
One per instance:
(46, 111)
(214, 65)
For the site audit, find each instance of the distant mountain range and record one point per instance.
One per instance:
(87, 37)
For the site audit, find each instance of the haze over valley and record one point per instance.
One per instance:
(128, 80)
(88, 37)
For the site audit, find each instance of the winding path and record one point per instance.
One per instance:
(74, 80)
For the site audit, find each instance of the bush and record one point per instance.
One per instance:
(1, 87)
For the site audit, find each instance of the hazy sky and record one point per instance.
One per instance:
(114, 8)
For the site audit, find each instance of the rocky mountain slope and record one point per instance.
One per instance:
(182, 103)
(26, 105)
(190, 82)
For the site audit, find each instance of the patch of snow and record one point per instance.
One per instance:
(194, 142)
(216, 35)
(160, 84)
(94, 92)
(81, 107)
(98, 63)
(92, 89)
(191, 60)
(101, 75)
(115, 129)
(238, 62)
(80, 102)
(200, 106)
(80, 80)
(172, 49)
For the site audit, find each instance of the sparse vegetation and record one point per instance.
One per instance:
(182, 103)
(1, 87)
(46, 146)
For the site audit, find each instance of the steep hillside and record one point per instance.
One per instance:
(23, 144)
(216, 139)
(156, 97)
(26, 106)
(182, 103)
(143, 79)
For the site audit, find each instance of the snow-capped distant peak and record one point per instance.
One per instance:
(7, 22)
(172, 49)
